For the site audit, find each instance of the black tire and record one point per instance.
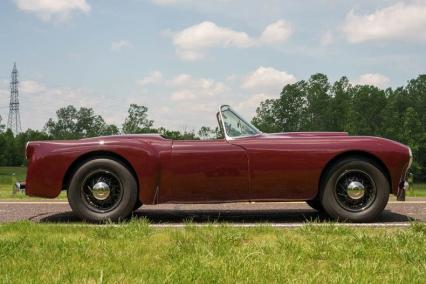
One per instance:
(137, 205)
(120, 184)
(342, 204)
(316, 204)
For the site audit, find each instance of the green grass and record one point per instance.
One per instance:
(8, 177)
(417, 190)
(137, 253)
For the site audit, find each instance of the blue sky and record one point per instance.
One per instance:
(182, 58)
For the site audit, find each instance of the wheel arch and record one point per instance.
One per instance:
(91, 156)
(354, 153)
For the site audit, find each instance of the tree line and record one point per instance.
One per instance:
(315, 104)
(73, 123)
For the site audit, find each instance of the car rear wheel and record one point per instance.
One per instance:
(102, 190)
(355, 189)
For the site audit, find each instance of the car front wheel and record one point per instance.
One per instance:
(102, 190)
(355, 189)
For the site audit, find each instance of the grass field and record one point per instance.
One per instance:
(9, 174)
(417, 190)
(137, 253)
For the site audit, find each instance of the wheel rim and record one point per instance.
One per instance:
(355, 190)
(101, 191)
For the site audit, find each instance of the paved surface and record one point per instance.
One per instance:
(291, 214)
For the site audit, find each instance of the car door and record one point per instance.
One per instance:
(208, 171)
(282, 168)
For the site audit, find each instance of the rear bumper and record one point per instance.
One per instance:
(402, 190)
(20, 186)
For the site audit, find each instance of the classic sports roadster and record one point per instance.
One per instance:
(106, 178)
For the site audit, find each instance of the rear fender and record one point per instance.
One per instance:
(52, 163)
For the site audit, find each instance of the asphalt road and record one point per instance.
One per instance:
(291, 214)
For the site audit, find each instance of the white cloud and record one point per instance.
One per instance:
(192, 42)
(249, 106)
(31, 87)
(4, 99)
(327, 38)
(190, 3)
(261, 84)
(184, 101)
(399, 22)
(182, 95)
(121, 44)
(375, 79)
(267, 79)
(39, 102)
(178, 102)
(184, 85)
(165, 2)
(48, 10)
(276, 32)
(203, 87)
(154, 77)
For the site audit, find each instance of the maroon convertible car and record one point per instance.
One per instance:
(106, 178)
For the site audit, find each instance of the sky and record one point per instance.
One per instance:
(184, 58)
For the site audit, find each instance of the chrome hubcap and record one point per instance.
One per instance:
(101, 191)
(355, 190)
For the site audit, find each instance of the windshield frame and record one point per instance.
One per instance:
(222, 124)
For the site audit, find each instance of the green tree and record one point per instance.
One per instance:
(206, 133)
(137, 120)
(366, 114)
(2, 126)
(318, 103)
(413, 135)
(340, 105)
(266, 117)
(71, 123)
(415, 93)
(3, 151)
(287, 113)
(177, 135)
(10, 152)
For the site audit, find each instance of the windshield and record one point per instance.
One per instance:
(236, 126)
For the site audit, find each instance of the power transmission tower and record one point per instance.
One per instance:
(14, 121)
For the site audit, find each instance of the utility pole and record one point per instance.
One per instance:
(14, 121)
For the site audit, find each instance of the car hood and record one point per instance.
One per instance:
(309, 134)
(331, 137)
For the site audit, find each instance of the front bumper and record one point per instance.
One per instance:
(404, 185)
(20, 187)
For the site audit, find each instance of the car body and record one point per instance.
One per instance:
(246, 166)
